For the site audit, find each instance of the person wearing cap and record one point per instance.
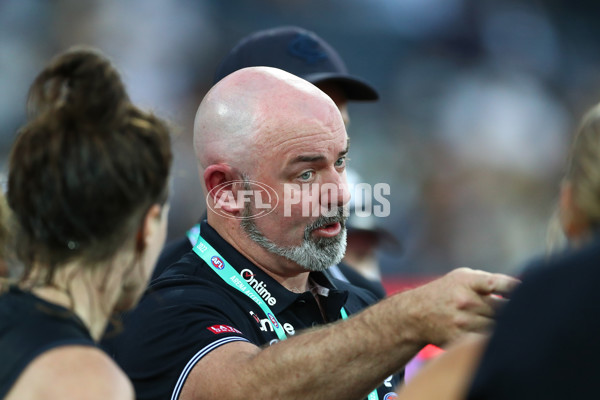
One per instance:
(249, 312)
(365, 237)
(305, 54)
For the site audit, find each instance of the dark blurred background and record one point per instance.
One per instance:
(479, 100)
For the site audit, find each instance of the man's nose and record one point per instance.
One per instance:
(335, 192)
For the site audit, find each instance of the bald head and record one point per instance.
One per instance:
(255, 108)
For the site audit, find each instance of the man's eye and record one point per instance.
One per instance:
(306, 175)
(340, 161)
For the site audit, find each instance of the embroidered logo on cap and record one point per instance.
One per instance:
(307, 49)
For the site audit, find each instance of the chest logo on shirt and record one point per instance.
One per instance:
(267, 326)
(259, 286)
(273, 320)
(217, 262)
(390, 396)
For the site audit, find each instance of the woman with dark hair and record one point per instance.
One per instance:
(87, 185)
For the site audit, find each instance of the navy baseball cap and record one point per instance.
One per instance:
(299, 52)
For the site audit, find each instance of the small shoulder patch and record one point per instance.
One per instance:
(217, 329)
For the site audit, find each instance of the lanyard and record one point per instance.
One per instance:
(210, 256)
(193, 234)
(218, 264)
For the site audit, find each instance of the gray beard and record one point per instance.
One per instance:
(313, 254)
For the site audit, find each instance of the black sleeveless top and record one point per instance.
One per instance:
(546, 342)
(30, 326)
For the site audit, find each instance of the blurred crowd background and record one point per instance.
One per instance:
(479, 100)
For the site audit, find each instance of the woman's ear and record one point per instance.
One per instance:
(573, 221)
(222, 184)
(150, 224)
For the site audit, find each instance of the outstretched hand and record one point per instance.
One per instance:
(460, 302)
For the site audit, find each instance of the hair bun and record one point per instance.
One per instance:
(79, 84)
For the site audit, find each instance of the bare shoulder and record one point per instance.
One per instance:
(72, 372)
(449, 375)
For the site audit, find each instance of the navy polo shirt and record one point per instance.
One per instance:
(189, 311)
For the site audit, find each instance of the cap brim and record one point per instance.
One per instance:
(386, 240)
(354, 88)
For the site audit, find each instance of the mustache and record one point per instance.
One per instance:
(341, 217)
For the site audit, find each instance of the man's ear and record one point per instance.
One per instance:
(572, 220)
(222, 184)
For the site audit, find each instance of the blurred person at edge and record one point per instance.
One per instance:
(249, 312)
(545, 344)
(5, 238)
(87, 185)
(305, 54)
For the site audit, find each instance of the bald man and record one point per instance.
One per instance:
(307, 55)
(249, 313)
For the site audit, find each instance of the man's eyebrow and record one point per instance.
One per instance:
(318, 157)
(344, 152)
(315, 158)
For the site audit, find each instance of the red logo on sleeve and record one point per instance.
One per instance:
(216, 329)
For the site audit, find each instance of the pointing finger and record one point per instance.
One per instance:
(498, 284)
